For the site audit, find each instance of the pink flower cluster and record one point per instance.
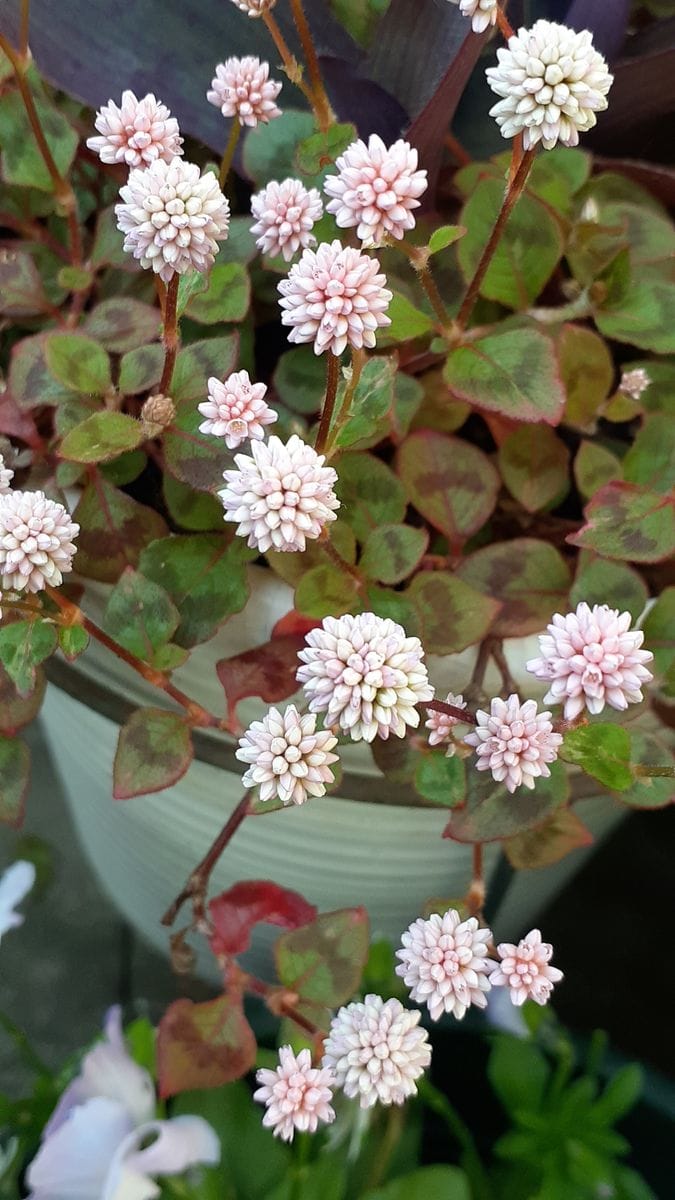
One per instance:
(236, 409)
(514, 742)
(295, 1094)
(137, 133)
(241, 88)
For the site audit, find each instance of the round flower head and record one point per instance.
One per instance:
(6, 476)
(241, 88)
(296, 1094)
(552, 81)
(376, 189)
(441, 725)
(482, 12)
(514, 742)
(285, 214)
(634, 383)
(377, 1051)
(290, 760)
(592, 657)
(36, 541)
(254, 8)
(524, 969)
(282, 496)
(137, 133)
(236, 409)
(444, 962)
(173, 217)
(335, 297)
(365, 675)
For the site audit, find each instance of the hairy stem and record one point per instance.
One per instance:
(198, 881)
(358, 363)
(24, 29)
(644, 770)
(228, 153)
(336, 558)
(503, 23)
(291, 65)
(513, 191)
(322, 108)
(475, 897)
(170, 335)
(332, 378)
(419, 258)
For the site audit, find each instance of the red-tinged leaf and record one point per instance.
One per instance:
(323, 962)
(529, 577)
(492, 814)
(154, 751)
(294, 624)
(560, 834)
(626, 521)
(254, 901)
(16, 710)
(450, 482)
(514, 372)
(453, 614)
(14, 423)
(267, 671)
(14, 780)
(114, 528)
(203, 1045)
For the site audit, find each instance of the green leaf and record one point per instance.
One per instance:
(122, 323)
(226, 298)
(14, 780)
(529, 577)
(514, 373)
(196, 511)
(22, 162)
(114, 528)
(534, 465)
(124, 469)
(108, 248)
(603, 751)
(621, 1094)
(17, 710)
(326, 591)
(630, 522)
(78, 362)
(492, 814)
(594, 466)
(640, 307)
(444, 236)
(21, 291)
(428, 1183)
(373, 399)
(320, 150)
(392, 552)
(73, 641)
(203, 1045)
(30, 381)
(528, 253)
(204, 575)
(23, 646)
(649, 791)
(370, 493)
(140, 615)
(651, 458)
(300, 380)
(602, 581)
(453, 615)
(75, 279)
(659, 629)
(154, 750)
(548, 843)
(190, 284)
(140, 370)
(440, 779)
(269, 150)
(397, 606)
(323, 961)
(518, 1073)
(101, 437)
(587, 373)
(198, 361)
(449, 481)
(195, 458)
(407, 321)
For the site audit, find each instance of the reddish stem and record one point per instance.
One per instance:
(322, 108)
(332, 379)
(170, 335)
(198, 881)
(451, 710)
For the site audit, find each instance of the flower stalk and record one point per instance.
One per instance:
(198, 881)
(321, 103)
(170, 335)
(228, 153)
(291, 65)
(332, 380)
(418, 256)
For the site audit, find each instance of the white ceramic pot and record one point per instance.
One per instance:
(338, 850)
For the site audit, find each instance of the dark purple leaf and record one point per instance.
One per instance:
(607, 22)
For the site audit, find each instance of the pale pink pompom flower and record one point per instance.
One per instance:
(236, 409)
(634, 383)
(514, 742)
(36, 541)
(241, 88)
(254, 8)
(282, 496)
(335, 297)
(365, 674)
(290, 759)
(136, 133)
(377, 1051)
(173, 217)
(444, 962)
(376, 189)
(525, 969)
(483, 13)
(592, 657)
(296, 1094)
(441, 725)
(6, 476)
(285, 215)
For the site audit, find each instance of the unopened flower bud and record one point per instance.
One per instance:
(158, 410)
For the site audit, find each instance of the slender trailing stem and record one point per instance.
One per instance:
(395, 1119)
(439, 1103)
(451, 710)
(644, 770)
(198, 881)
(513, 191)
(195, 713)
(170, 335)
(228, 153)
(338, 560)
(322, 108)
(419, 258)
(62, 188)
(160, 289)
(505, 26)
(24, 29)
(358, 363)
(508, 682)
(475, 897)
(332, 378)
(291, 64)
